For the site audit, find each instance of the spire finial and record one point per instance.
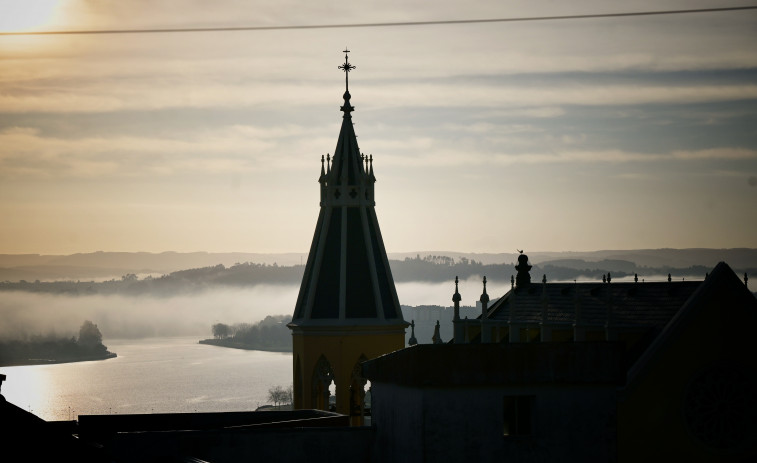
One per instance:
(456, 298)
(346, 67)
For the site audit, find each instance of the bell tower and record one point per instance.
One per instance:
(347, 310)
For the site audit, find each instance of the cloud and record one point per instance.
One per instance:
(752, 181)
(27, 152)
(717, 153)
(145, 96)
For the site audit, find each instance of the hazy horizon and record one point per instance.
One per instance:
(586, 134)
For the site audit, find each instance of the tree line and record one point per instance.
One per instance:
(55, 349)
(270, 334)
(432, 269)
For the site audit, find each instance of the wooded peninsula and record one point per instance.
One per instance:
(40, 350)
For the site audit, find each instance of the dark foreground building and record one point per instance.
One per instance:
(670, 378)
(683, 392)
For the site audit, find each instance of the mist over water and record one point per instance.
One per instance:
(117, 316)
(126, 317)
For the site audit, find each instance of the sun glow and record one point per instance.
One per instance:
(27, 15)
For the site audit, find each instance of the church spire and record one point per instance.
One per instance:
(347, 275)
(347, 309)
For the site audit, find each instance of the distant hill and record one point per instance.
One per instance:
(102, 266)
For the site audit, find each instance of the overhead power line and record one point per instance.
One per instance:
(384, 24)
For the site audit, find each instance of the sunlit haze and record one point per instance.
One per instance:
(611, 133)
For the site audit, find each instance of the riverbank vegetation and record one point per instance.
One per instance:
(429, 269)
(44, 349)
(269, 334)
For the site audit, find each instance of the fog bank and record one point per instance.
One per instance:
(23, 314)
(117, 316)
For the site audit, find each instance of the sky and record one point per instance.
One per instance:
(572, 135)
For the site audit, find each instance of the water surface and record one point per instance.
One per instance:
(153, 375)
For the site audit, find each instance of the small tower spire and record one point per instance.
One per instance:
(458, 325)
(456, 298)
(412, 341)
(484, 302)
(437, 338)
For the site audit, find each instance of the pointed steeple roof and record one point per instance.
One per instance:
(347, 278)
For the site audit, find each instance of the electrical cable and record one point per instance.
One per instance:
(383, 24)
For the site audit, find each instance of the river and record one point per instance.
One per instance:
(155, 375)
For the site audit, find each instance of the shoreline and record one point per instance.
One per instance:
(237, 345)
(32, 362)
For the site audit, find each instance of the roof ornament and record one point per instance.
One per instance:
(609, 278)
(669, 278)
(635, 277)
(523, 277)
(544, 279)
(347, 67)
(436, 338)
(412, 341)
(746, 280)
(328, 162)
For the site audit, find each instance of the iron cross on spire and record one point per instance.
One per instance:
(346, 67)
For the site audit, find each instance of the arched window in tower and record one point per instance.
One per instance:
(323, 377)
(358, 394)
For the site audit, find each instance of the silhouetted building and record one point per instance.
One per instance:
(580, 372)
(347, 310)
